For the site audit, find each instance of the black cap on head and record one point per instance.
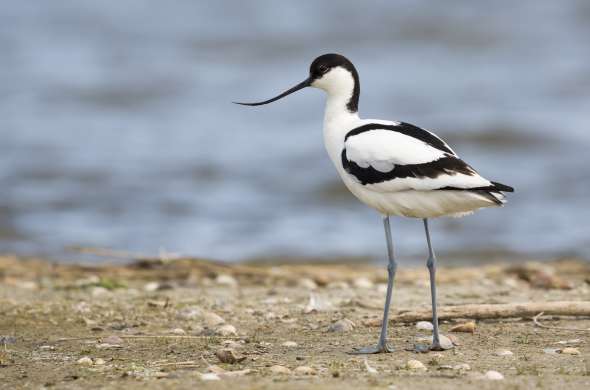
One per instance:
(320, 66)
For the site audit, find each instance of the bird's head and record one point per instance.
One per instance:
(332, 73)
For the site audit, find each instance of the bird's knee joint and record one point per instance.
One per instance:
(431, 263)
(391, 268)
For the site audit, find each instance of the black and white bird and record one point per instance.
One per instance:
(394, 167)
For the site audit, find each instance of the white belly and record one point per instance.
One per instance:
(418, 204)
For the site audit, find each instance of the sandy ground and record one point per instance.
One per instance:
(266, 316)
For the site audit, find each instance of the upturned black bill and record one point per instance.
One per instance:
(301, 85)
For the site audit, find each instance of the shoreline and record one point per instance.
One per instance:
(165, 323)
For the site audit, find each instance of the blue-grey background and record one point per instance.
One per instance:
(116, 127)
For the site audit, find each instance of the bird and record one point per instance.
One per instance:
(396, 168)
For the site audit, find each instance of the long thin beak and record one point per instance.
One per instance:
(301, 85)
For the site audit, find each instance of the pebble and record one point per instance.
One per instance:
(373, 322)
(362, 283)
(226, 280)
(551, 351)
(572, 341)
(493, 375)
(228, 355)
(232, 344)
(370, 369)
(415, 365)
(503, 352)
(210, 376)
(343, 325)
(280, 370)
(424, 325)
(178, 331)
(226, 330)
(289, 344)
(99, 362)
(308, 284)
(467, 327)
(47, 348)
(154, 303)
(340, 285)
(462, 367)
(305, 370)
(151, 286)
(85, 361)
(570, 351)
(211, 319)
(445, 342)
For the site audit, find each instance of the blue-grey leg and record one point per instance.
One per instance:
(382, 346)
(431, 264)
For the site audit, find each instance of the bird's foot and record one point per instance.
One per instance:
(436, 346)
(372, 349)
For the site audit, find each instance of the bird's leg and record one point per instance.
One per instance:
(382, 346)
(431, 264)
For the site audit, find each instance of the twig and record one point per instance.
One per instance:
(148, 337)
(538, 323)
(189, 363)
(504, 310)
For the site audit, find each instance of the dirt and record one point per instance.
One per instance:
(149, 325)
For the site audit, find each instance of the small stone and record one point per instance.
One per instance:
(99, 362)
(212, 320)
(281, 370)
(178, 331)
(503, 352)
(270, 316)
(231, 344)
(289, 344)
(373, 322)
(155, 303)
(308, 284)
(362, 283)
(467, 327)
(228, 355)
(424, 325)
(343, 325)
(462, 367)
(226, 280)
(151, 286)
(47, 348)
(493, 375)
(316, 304)
(304, 370)
(210, 376)
(415, 365)
(5, 340)
(85, 361)
(226, 330)
(570, 351)
(445, 342)
(572, 341)
(551, 351)
(340, 285)
(370, 369)
(113, 339)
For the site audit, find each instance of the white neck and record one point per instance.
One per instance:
(336, 110)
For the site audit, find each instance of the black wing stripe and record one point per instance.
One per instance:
(449, 165)
(405, 129)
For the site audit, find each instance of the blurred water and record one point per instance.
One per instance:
(117, 129)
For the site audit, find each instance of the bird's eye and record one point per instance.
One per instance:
(323, 68)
